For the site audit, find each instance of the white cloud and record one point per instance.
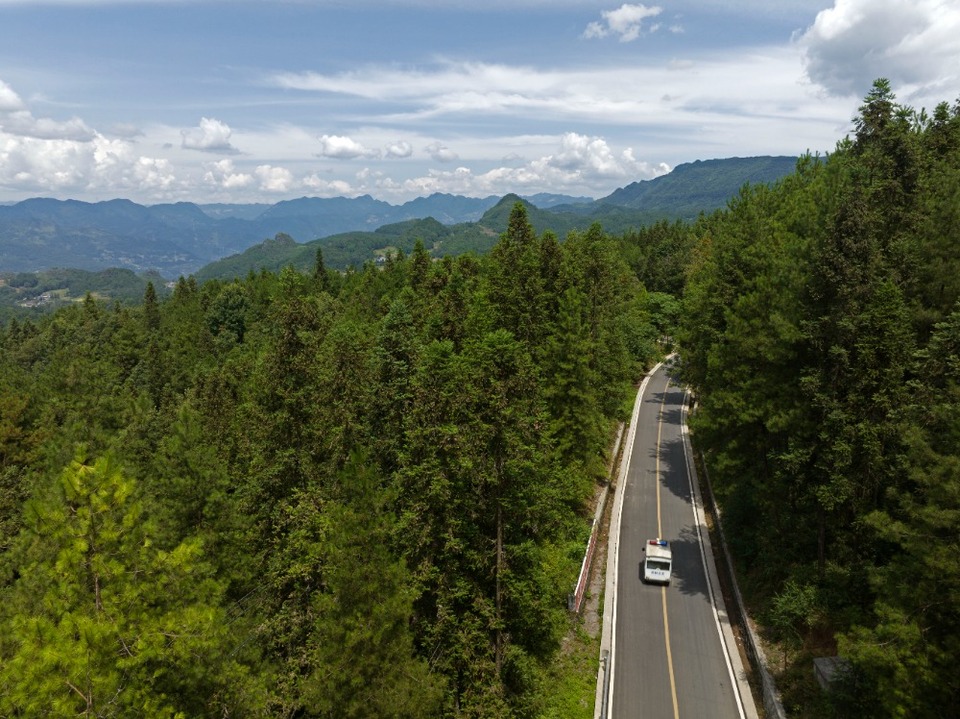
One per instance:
(223, 175)
(154, 174)
(465, 86)
(580, 164)
(587, 155)
(9, 100)
(344, 148)
(399, 149)
(211, 136)
(913, 43)
(441, 153)
(614, 95)
(327, 188)
(626, 21)
(274, 179)
(100, 166)
(22, 122)
(16, 119)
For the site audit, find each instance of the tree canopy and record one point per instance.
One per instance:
(311, 494)
(817, 332)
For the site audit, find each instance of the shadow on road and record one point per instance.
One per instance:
(689, 574)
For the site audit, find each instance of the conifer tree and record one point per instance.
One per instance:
(361, 650)
(99, 620)
(151, 311)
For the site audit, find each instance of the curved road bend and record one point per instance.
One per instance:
(669, 661)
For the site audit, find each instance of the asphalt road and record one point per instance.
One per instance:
(669, 660)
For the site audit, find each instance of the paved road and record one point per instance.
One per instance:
(669, 661)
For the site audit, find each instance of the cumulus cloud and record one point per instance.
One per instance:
(48, 156)
(344, 148)
(327, 188)
(16, 119)
(212, 135)
(9, 100)
(154, 174)
(274, 179)
(22, 122)
(583, 157)
(223, 175)
(99, 166)
(626, 21)
(399, 149)
(910, 42)
(579, 164)
(441, 153)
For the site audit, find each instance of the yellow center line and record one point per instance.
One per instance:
(663, 590)
(666, 634)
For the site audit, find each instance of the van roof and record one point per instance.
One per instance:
(659, 548)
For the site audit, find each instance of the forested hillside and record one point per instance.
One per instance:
(821, 334)
(313, 494)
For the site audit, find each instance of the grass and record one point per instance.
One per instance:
(568, 687)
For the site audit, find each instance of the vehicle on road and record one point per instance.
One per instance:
(658, 562)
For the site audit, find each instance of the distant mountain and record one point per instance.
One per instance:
(354, 248)
(449, 209)
(700, 186)
(179, 239)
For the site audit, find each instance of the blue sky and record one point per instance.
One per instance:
(266, 100)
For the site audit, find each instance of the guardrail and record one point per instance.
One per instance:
(575, 598)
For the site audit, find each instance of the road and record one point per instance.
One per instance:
(669, 659)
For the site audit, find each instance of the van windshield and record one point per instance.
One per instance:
(658, 564)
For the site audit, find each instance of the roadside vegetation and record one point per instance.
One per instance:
(820, 333)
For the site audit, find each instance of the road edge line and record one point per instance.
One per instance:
(738, 675)
(607, 635)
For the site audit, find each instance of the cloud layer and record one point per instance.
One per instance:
(913, 43)
(623, 93)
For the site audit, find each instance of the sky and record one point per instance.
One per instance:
(242, 101)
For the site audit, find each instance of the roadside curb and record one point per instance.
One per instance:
(748, 707)
(607, 639)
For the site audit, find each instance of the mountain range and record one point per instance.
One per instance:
(181, 238)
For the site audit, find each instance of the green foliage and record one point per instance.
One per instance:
(819, 333)
(99, 619)
(357, 492)
(361, 647)
(32, 294)
(226, 317)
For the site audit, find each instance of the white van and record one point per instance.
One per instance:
(658, 562)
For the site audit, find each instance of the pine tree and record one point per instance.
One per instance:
(98, 620)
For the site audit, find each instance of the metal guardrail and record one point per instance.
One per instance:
(604, 666)
(575, 598)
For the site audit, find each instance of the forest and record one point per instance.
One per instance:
(365, 493)
(820, 333)
(322, 494)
